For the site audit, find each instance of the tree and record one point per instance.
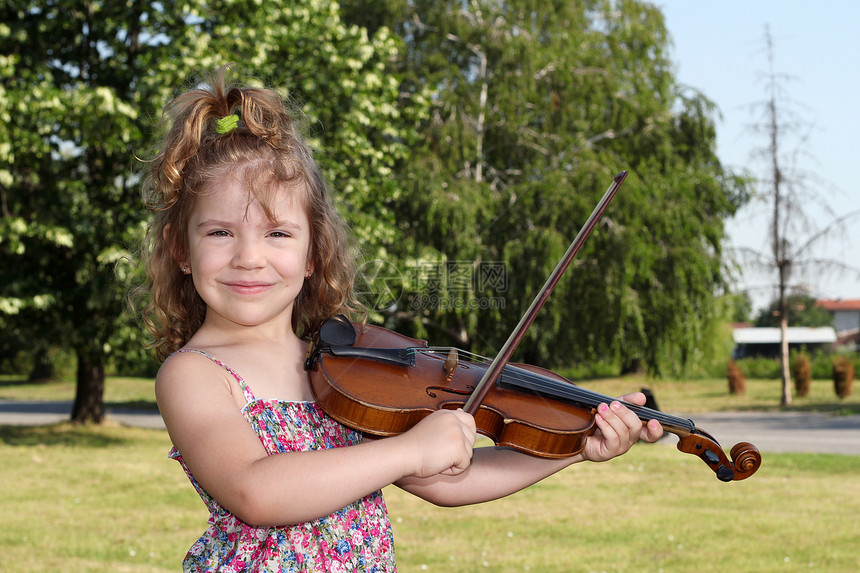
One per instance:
(802, 312)
(739, 307)
(76, 98)
(339, 74)
(794, 238)
(535, 107)
(82, 85)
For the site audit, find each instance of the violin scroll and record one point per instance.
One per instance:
(746, 458)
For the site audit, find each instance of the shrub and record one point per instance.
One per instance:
(737, 382)
(801, 371)
(761, 367)
(843, 376)
(822, 365)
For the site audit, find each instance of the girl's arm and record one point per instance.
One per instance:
(228, 460)
(497, 472)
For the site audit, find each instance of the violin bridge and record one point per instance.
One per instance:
(451, 364)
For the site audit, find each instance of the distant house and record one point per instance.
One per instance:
(846, 321)
(846, 313)
(765, 342)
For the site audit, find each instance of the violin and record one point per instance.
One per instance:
(383, 383)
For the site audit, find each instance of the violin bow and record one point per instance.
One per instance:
(503, 357)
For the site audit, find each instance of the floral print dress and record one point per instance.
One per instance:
(355, 538)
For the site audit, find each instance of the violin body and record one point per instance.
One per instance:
(386, 399)
(383, 383)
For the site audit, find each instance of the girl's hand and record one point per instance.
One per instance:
(618, 428)
(442, 443)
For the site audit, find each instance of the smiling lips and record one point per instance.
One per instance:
(247, 287)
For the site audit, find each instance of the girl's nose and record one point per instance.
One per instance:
(248, 254)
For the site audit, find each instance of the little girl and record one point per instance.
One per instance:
(246, 258)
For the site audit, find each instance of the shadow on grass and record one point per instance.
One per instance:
(834, 408)
(143, 405)
(61, 435)
(12, 381)
(837, 408)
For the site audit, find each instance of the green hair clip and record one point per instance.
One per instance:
(227, 124)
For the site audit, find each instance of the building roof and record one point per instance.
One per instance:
(839, 304)
(796, 335)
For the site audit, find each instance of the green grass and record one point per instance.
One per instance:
(90, 498)
(119, 391)
(651, 510)
(711, 395)
(106, 498)
(85, 498)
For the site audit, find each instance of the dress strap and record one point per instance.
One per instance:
(246, 390)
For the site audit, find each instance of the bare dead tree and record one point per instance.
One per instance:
(795, 239)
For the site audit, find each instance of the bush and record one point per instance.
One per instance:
(801, 372)
(737, 382)
(760, 368)
(822, 365)
(843, 376)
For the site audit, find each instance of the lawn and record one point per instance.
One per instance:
(106, 498)
(119, 391)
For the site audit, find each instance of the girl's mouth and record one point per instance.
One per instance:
(243, 287)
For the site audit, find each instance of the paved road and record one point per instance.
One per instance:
(37, 413)
(784, 431)
(769, 431)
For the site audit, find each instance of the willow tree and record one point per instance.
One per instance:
(536, 105)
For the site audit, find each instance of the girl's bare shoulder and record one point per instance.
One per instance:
(190, 372)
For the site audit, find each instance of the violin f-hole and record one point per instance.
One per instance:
(431, 390)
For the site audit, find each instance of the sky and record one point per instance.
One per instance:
(719, 49)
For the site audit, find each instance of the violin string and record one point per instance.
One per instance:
(535, 381)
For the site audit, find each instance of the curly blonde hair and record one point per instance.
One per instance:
(267, 150)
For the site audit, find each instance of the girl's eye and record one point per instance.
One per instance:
(219, 233)
(279, 234)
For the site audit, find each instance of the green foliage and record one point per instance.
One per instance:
(739, 307)
(768, 368)
(339, 74)
(822, 365)
(534, 110)
(802, 311)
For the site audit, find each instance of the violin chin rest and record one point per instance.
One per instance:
(338, 331)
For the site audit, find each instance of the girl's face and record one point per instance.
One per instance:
(247, 268)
